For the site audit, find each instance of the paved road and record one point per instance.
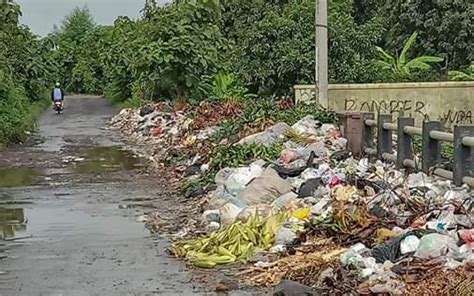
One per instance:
(65, 231)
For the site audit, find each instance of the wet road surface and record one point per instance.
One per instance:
(63, 229)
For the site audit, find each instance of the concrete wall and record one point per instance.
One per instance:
(450, 102)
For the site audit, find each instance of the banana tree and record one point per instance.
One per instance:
(400, 67)
(467, 75)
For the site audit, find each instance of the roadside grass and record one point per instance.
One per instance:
(19, 117)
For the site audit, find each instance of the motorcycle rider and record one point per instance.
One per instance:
(57, 94)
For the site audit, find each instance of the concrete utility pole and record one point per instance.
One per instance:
(321, 70)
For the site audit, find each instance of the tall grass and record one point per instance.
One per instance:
(17, 113)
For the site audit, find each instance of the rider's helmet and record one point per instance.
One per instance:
(57, 84)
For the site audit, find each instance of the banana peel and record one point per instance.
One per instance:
(236, 242)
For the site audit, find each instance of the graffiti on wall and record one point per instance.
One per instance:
(451, 117)
(408, 108)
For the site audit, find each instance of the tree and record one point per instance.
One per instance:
(399, 67)
(71, 41)
(274, 43)
(445, 28)
(76, 26)
(25, 71)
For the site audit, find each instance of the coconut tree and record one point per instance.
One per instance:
(400, 67)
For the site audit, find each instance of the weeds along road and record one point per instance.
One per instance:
(63, 228)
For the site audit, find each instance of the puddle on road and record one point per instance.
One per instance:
(16, 177)
(106, 159)
(12, 222)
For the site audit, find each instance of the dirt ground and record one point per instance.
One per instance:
(69, 203)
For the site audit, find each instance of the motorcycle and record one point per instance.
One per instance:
(58, 107)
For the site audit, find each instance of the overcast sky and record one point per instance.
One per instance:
(41, 15)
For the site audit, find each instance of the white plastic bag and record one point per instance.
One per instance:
(409, 244)
(240, 177)
(435, 245)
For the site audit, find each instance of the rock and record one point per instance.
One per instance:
(291, 288)
(225, 285)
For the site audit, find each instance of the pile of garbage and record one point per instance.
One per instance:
(267, 187)
(177, 131)
(344, 226)
(379, 230)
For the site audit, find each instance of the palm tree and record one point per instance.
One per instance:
(467, 75)
(399, 67)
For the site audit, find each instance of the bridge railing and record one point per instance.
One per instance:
(374, 137)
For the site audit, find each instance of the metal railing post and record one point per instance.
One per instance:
(463, 157)
(367, 133)
(404, 141)
(384, 136)
(430, 148)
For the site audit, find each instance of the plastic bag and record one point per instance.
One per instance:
(354, 256)
(240, 177)
(270, 136)
(353, 259)
(409, 244)
(222, 194)
(467, 235)
(223, 175)
(286, 200)
(301, 214)
(284, 235)
(228, 213)
(386, 282)
(389, 250)
(309, 187)
(291, 288)
(264, 189)
(308, 126)
(318, 208)
(287, 156)
(418, 180)
(435, 245)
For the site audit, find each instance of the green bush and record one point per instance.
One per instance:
(27, 69)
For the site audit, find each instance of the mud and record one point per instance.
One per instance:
(69, 204)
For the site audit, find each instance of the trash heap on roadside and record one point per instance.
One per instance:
(377, 230)
(316, 218)
(174, 134)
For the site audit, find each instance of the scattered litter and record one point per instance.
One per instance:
(334, 223)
